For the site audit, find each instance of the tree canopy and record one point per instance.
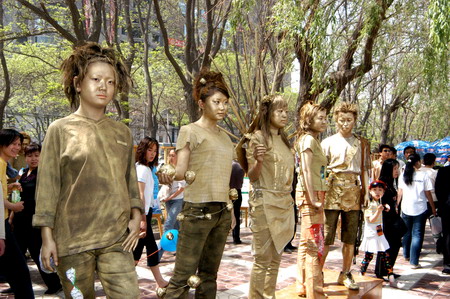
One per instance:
(390, 57)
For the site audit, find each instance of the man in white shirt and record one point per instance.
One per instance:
(429, 161)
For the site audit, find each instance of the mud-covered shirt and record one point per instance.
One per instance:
(86, 183)
(210, 158)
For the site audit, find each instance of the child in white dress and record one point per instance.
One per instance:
(374, 239)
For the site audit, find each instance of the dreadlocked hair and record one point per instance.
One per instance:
(76, 65)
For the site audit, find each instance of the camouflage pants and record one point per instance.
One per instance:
(114, 267)
(199, 249)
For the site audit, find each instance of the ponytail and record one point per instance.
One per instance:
(409, 168)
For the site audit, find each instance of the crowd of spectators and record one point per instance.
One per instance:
(415, 190)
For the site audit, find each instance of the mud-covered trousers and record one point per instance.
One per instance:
(199, 249)
(310, 250)
(114, 266)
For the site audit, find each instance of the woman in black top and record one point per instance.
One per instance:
(28, 237)
(393, 226)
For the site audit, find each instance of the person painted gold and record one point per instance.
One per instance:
(348, 163)
(204, 160)
(310, 196)
(87, 201)
(270, 169)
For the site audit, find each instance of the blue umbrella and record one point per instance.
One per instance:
(441, 148)
(420, 145)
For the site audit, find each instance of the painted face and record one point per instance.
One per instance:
(32, 159)
(25, 143)
(395, 171)
(278, 118)
(173, 157)
(13, 149)
(385, 153)
(345, 122)
(151, 153)
(377, 193)
(97, 88)
(319, 122)
(215, 107)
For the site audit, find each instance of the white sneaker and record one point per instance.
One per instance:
(394, 283)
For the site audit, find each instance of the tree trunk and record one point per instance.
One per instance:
(7, 92)
(385, 125)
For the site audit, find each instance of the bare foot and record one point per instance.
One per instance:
(301, 291)
(162, 283)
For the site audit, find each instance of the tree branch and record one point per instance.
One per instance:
(46, 16)
(165, 36)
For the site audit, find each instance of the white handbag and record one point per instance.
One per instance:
(436, 225)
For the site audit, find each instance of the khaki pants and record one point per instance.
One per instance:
(310, 251)
(263, 279)
(199, 249)
(114, 267)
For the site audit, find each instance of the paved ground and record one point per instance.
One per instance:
(234, 273)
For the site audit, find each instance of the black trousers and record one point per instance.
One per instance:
(30, 238)
(446, 238)
(237, 214)
(395, 242)
(150, 244)
(14, 267)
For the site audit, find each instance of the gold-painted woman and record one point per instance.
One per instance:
(205, 219)
(310, 195)
(270, 169)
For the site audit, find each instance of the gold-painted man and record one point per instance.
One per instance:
(345, 151)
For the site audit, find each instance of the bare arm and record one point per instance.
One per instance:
(16, 207)
(175, 194)
(254, 170)
(430, 200)
(48, 248)
(399, 196)
(134, 226)
(366, 187)
(380, 209)
(306, 160)
(143, 223)
(183, 162)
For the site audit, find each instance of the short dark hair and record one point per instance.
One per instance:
(407, 148)
(383, 146)
(141, 151)
(429, 158)
(393, 150)
(8, 136)
(33, 147)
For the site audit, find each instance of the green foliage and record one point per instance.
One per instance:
(437, 52)
(238, 17)
(439, 14)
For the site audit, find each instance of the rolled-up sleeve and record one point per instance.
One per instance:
(49, 179)
(131, 177)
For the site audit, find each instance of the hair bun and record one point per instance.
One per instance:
(206, 83)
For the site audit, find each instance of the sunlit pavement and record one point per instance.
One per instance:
(234, 273)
